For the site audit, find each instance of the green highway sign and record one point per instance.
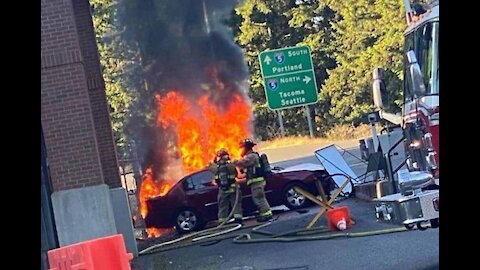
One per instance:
(288, 77)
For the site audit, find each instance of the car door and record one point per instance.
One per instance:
(201, 194)
(270, 188)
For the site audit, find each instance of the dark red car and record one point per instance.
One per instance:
(192, 201)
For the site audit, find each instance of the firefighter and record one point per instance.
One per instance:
(255, 179)
(225, 173)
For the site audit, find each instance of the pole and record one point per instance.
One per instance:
(136, 164)
(124, 176)
(374, 136)
(309, 118)
(205, 18)
(280, 121)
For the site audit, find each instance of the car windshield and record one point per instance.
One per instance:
(424, 41)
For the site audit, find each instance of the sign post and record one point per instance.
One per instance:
(280, 122)
(309, 119)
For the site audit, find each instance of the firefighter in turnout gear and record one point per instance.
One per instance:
(225, 173)
(255, 178)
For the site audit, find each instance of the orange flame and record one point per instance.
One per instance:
(150, 189)
(228, 129)
(202, 130)
(174, 106)
(155, 232)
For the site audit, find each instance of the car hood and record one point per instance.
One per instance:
(303, 167)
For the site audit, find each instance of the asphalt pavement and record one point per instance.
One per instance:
(412, 250)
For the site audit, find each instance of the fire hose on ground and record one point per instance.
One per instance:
(306, 234)
(210, 236)
(221, 229)
(296, 235)
(290, 236)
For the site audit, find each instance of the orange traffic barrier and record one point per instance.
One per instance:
(339, 218)
(106, 253)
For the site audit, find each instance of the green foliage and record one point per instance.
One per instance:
(259, 25)
(348, 39)
(120, 68)
(369, 35)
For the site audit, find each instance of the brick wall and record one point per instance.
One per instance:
(66, 114)
(96, 91)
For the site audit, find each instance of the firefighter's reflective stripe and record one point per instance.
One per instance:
(255, 180)
(230, 176)
(255, 170)
(267, 213)
(232, 185)
(231, 189)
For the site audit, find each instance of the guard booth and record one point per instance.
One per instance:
(48, 231)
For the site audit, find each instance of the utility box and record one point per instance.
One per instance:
(408, 210)
(412, 205)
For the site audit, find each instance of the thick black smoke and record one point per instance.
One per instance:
(181, 41)
(184, 46)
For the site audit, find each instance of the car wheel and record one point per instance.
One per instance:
(292, 199)
(409, 226)
(188, 220)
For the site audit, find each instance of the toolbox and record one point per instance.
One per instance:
(408, 209)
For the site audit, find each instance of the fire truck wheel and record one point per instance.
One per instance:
(409, 226)
(420, 226)
(188, 220)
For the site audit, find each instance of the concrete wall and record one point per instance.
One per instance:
(123, 219)
(83, 214)
(366, 191)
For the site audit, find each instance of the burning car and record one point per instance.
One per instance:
(192, 201)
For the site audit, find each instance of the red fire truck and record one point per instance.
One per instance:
(415, 198)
